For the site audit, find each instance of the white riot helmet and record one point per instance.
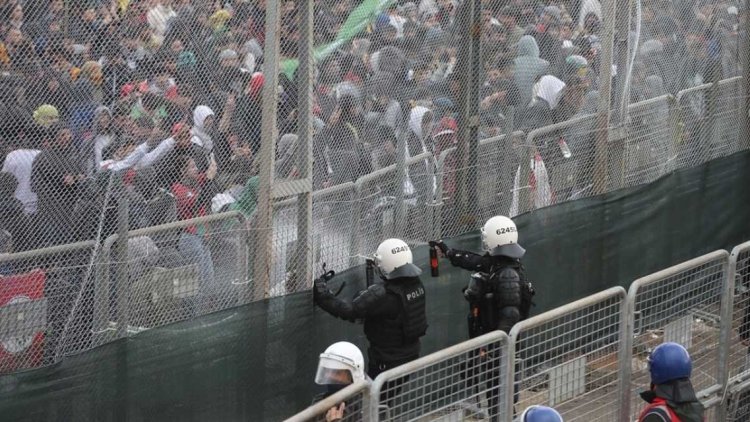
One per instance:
(500, 237)
(341, 363)
(395, 254)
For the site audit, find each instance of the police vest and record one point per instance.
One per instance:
(409, 325)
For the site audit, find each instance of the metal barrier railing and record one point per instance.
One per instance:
(569, 358)
(649, 149)
(687, 304)
(41, 291)
(355, 399)
(461, 382)
(739, 354)
(585, 356)
(168, 274)
(374, 209)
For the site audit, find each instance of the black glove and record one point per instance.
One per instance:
(440, 245)
(320, 288)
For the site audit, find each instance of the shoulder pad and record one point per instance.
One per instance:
(513, 250)
(405, 271)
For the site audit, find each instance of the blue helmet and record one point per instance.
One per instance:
(537, 413)
(669, 361)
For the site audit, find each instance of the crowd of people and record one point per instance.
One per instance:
(167, 93)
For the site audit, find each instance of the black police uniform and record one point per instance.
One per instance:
(502, 293)
(394, 316)
(501, 296)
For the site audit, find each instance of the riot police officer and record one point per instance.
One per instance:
(671, 397)
(537, 413)
(340, 365)
(393, 311)
(499, 294)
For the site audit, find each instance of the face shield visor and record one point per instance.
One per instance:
(335, 370)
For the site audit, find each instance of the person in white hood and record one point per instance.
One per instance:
(420, 128)
(548, 89)
(203, 122)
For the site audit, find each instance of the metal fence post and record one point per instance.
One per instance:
(102, 293)
(264, 252)
(605, 95)
(675, 130)
(121, 274)
(627, 323)
(353, 234)
(402, 171)
(725, 335)
(303, 271)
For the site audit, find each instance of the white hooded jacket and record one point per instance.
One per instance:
(200, 137)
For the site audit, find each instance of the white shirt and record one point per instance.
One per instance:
(141, 157)
(19, 164)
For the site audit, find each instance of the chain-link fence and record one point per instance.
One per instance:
(569, 358)
(685, 304)
(420, 119)
(174, 272)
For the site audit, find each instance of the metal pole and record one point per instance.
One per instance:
(744, 41)
(264, 213)
(713, 68)
(469, 17)
(397, 227)
(304, 262)
(725, 331)
(121, 257)
(622, 21)
(605, 95)
(473, 100)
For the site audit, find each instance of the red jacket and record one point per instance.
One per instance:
(186, 196)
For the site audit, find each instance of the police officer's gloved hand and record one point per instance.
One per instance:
(320, 288)
(440, 245)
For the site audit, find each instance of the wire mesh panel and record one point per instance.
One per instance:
(569, 358)
(175, 272)
(46, 305)
(332, 230)
(739, 357)
(563, 160)
(462, 382)
(353, 400)
(284, 247)
(683, 304)
(729, 110)
(738, 403)
(649, 149)
(693, 149)
(333, 224)
(376, 206)
(374, 209)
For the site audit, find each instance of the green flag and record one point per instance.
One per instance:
(357, 21)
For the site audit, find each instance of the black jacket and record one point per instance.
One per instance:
(393, 313)
(512, 294)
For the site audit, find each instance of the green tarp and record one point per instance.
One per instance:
(257, 362)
